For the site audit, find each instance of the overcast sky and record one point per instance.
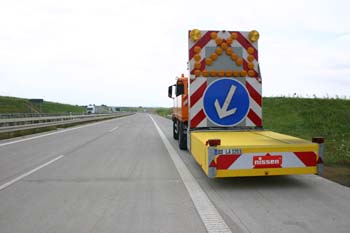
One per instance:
(128, 52)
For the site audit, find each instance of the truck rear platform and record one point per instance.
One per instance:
(252, 153)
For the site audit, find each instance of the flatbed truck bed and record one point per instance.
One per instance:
(253, 153)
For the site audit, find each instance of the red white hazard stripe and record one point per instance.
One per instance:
(203, 41)
(241, 39)
(185, 100)
(243, 42)
(255, 113)
(246, 161)
(198, 87)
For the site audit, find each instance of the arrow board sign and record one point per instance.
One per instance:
(226, 102)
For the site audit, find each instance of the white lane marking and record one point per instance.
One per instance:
(208, 213)
(49, 134)
(29, 173)
(115, 128)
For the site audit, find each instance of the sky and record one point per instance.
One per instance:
(127, 52)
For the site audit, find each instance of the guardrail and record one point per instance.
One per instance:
(30, 122)
(28, 115)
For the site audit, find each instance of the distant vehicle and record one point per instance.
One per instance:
(90, 109)
(95, 109)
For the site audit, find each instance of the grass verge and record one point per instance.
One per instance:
(20, 105)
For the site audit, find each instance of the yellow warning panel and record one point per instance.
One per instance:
(254, 141)
(266, 172)
(252, 153)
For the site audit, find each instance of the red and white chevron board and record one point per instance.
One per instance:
(185, 100)
(265, 160)
(199, 84)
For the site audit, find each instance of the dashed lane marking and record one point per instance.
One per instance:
(11, 182)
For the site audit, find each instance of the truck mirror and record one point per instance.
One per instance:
(180, 89)
(170, 91)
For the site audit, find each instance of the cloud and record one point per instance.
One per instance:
(128, 52)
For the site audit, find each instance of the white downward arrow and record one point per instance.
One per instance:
(222, 111)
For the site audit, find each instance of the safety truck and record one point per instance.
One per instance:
(217, 113)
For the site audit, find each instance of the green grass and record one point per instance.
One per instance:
(13, 105)
(163, 111)
(306, 118)
(20, 105)
(51, 107)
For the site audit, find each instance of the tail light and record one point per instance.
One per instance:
(213, 142)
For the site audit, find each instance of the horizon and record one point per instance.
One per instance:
(346, 98)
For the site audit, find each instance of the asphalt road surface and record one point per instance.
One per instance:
(128, 175)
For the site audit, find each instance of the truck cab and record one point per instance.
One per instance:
(90, 109)
(180, 110)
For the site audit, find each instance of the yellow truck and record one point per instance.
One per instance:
(217, 112)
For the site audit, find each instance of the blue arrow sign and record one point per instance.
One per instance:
(226, 102)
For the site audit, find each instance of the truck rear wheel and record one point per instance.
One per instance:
(182, 137)
(175, 130)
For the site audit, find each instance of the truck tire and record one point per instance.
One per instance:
(182, 137)
(175, 130)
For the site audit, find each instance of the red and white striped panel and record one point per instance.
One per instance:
(254, 117)
(246, 161)
(198, 84)
(185, 100)
(198, 117)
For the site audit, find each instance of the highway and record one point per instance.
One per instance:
(128, 175)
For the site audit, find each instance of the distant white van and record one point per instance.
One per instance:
(90, 109)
